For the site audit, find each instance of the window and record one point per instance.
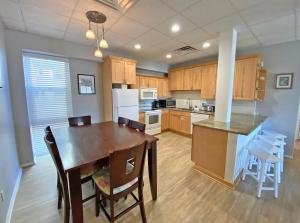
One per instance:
(48, 92)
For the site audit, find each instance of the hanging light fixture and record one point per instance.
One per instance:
(89, 33)
(98, 18)
(103, 42)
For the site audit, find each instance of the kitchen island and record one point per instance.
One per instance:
(218, 149)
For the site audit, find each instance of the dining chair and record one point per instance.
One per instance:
(62, 184)
(123, 121)
(80, 121)
(137, 125)
(121, 178)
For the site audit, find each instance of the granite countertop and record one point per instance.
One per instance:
(184, 110)
(240, 123)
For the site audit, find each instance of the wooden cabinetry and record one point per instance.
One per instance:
(123, 71)
(186, 79)
(208, 83)
(165, 119)
(180, 121)
(161, 83)
(142, 117)
(176, 80)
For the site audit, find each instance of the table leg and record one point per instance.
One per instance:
(152, 168)
(76, 196)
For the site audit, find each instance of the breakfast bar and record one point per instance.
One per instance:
(218, 148)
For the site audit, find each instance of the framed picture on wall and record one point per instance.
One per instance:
(86, 84)
(284, 81)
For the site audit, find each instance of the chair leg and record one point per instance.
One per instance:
(67, 212)
(276, 180)
(59, 198)
(112, 215)
(97, 202)
(57, 181)
(261, 178)
(142, 208)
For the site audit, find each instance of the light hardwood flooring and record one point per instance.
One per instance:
(184, 195)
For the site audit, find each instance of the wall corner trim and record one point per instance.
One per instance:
(13, 197)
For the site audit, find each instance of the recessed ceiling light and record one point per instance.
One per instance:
(175, 28)
(137, 46)
(206, 45)
(168, 56)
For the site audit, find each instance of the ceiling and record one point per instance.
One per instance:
(148, 22)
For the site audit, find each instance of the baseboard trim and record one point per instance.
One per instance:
(13, 197)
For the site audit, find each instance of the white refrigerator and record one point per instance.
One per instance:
(125, 104)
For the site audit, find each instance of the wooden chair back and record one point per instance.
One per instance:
(79, 121)
(137, 125)
(118, 162)
(123, 121)
(54, 152)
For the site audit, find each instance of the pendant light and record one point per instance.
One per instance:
(98, 52)
(89, 33)
(103, 42)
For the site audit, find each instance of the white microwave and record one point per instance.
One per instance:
(148, 93)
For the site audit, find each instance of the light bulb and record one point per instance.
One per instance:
(103, 43)
(137, 46)
(175, 28)
(90, 34)
(206, 45)
(169, 56)
(98, 53)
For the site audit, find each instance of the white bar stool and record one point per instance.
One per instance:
(264, 158)
(274, 134)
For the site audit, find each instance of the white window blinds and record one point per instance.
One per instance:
(48, 92)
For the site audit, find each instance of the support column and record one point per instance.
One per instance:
(225, 78)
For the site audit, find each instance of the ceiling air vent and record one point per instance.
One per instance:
(185, 50)
(119, 5)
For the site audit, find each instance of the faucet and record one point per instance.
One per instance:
(190, 103)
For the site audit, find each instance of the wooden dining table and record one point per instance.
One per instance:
(84, 145)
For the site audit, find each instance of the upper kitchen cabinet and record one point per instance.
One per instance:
(208, 82)
(185, 79)
(121, 70)
(246, 77)
(176, 80)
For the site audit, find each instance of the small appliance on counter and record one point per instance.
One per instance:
(208, 107)
(167, 103)
(148, 93)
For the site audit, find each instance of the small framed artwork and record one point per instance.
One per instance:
(86, 84)
(284, 81)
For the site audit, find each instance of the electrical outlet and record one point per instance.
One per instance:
(2, 196)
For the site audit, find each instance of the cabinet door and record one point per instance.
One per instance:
(185, 124)
(163, 88)
(174, 121)
(117, 68)
(176, 80)
(249, 78)
(130, 72)
(238, 80)
(152, 82)
(144, 82)
(209, 78)
(165, 120)
(196, 78)
(137, 83)
(187, 79)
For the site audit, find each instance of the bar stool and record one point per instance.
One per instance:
(274, 134)
(264, 158)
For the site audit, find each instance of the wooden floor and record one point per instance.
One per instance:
(184, 195)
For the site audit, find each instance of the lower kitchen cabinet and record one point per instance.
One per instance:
(180, 121)
(165, 119)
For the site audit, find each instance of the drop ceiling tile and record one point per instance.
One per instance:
(116, 40)
(267, 10)
(244, 34)
(185, 26)
(129, 27)
(208, 11)
(14, 24)
(274, 26)
(247, 43)
(243, 4)
(152, 37)
(59, 7)
(44, 31)
(90, 5)
(170, 45)
(195, 36)
(179, 5)
(229, 22)
(150, 12)
(284, 35)
(36, 16)
(10, 10)
(298, 32)
(79, 39)
(214, 45)
(78, 27)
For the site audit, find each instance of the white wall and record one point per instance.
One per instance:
(9, 164)
(81, 61)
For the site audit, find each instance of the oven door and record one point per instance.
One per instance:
(153, 120)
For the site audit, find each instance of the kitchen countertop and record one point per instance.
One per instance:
(184, 110)
(240, 123)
